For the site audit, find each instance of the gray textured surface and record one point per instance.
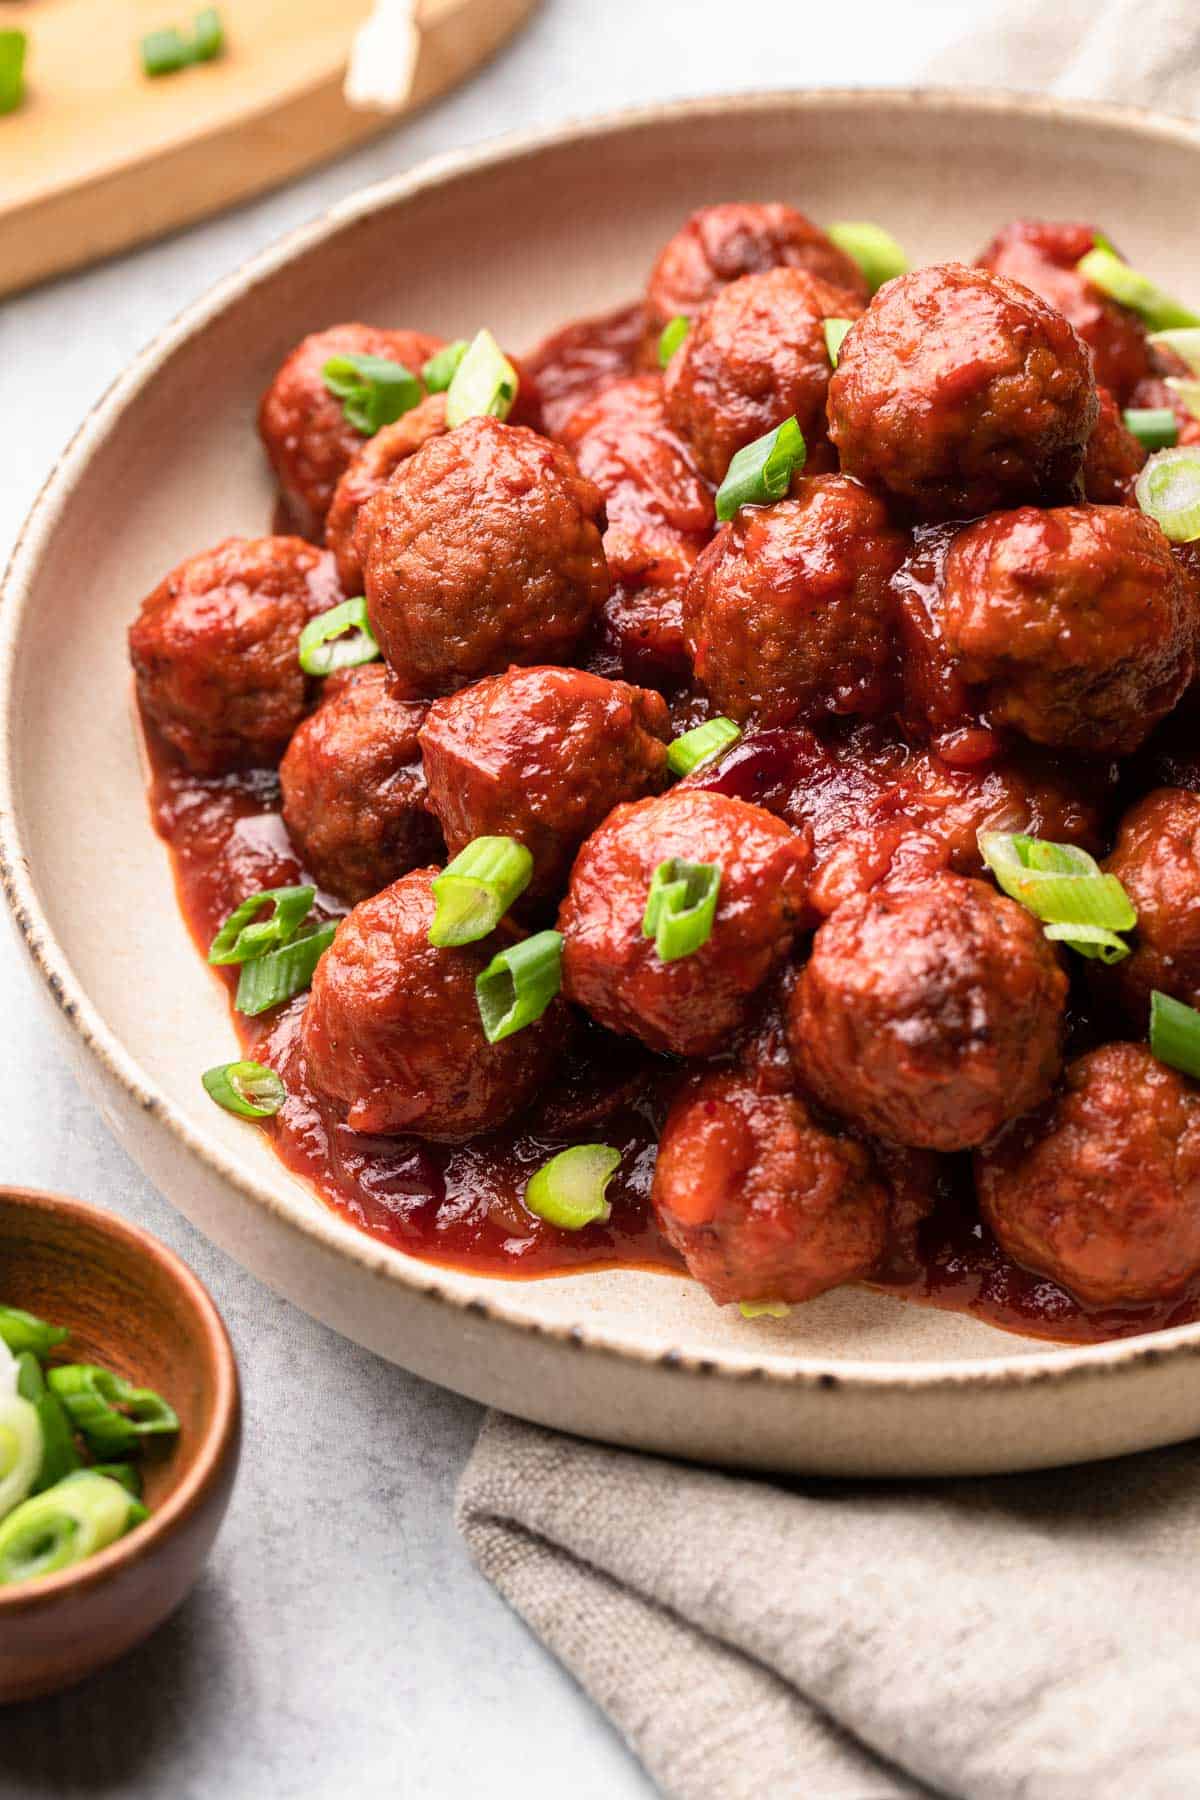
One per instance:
(340, 1641)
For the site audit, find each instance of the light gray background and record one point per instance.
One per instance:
(340, 1643)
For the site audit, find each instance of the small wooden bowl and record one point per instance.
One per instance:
(132, 1306)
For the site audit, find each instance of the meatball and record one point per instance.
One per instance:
(214, 649)
(931, 1014)
(720, 243)
(755, 356)
(1077, 623)
(392, 1026)
(303, 426)
(761, 1201)
(353, 787)
(691, 1005)
(1113, 457)
(959, 391)
(543, 756)
(1101, 1190)
(1042, 256)
(788, 613)
(371, 469)
(484, 550)
(1157, 861)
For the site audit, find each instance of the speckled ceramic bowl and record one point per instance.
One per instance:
(558, 225)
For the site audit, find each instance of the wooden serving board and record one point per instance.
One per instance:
(99, 156)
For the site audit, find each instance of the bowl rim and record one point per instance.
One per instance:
(315, 1223)
(219, 1439)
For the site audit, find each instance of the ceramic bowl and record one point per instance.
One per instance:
(133, 1307)
(524, 235)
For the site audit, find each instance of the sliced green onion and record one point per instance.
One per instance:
(763, 470)
(338, 639)
(875, 250)
(112, 1414)
(31, 1383)
(1184, 343)
(1113, 277)
(165, 52)
(763, 1309)
(835, 335)
(1187, 392)
(476, 889)
(66, 1524)
(20, 1450)
(1175, 1034)
(1065, 888)
(1155, 427)
(281, 974)
(701, 745)
(249, 1089)
(568, 1191)
(518, 985)
(671, 337)
(240, 941)
(440, 370)
(208, 35)
(374, 390)
(484, 385)
(23, 1331)
(681, 907)
(1168, 489)
(59, 1455)
(8, 1371)
(13, 45)
(1093, 941)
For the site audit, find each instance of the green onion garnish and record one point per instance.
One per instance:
(484, 384)
(1168, 488)
(568, 1191)
(165, 52)
(374, 390)
(124, 1472)
(1187, 391)
(23, 1331)
(1175, 1033)
(835, 333)
(671, 336)
(239, 940)
(1184, 343)
(476, 889)
(13, 45)
(875, 250)
(20, 1450)
(1113, 277)
(1155, 427)
(1066, 889)
(701, 745)
(71, 1521)
(338, 639)
(763, 1309)
(208, 35)
(281, 974)
(112, 1414)
(440, 370)
(681, 906)
(59, 1455)
(763, 470)
(518, 985)
(249, 1089)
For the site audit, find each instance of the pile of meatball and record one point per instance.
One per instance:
(956, 619)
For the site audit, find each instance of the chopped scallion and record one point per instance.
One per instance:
(165, 52)
(875, 250)
(484, 384)
(1168, 488)
(1154, 427)
(476, 889)
(681, 907)
(208, 35)
(671, 337)
(24, 1331)
(20, 1450)
(69, 1522)
(1183, 343)
(282, 974)
(1187, 391)
(244, 936)
(374, 390)
(569, 1190)
(702, 745)
(111, 1413)
(1065, 888)
(518, 985)
(440, 370)
(13, 45)
(338, 639)
(762, 471)
(249, 1089)
(1106, 271)
(1175, 1033)
(763, 1309)
(835, 335)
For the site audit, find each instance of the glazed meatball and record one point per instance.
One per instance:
(959, 391)
(214, 650)
(1113, 457)
(392, 1027)
(304, 429)
(543, 756)
(761, 1201)
(1157, 861)
(484, 550)
(1101, 1190)
(1043, 256)
(371, 469)
(931, 1014)
(691, 1005)
(720, 243)
(1076, 624)
(755, 356)
(353, 787)
(788, 613)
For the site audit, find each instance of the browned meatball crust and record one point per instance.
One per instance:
(761, 1201)
(392, 1026)
(303, 426)
(1113, 459)
(1101, 1189)
(720, 243)
(354, 789)
(543, 756)
(692, 1005)
(788, 613)
(1157, 860)
(931, 1014)
(214, 649)
(755, 356)
(371, 469)
(484, 550)
(1077, 624)
(959, 391)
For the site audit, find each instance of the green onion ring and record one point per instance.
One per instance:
(681, 907)
(762, 471)
(518, 985)
(671, 337)
(569, 1190)
(1106, 271)
(875, 250)
(1168, 489)
(240, 940)
(703, 744)
(325, 646)
(249, 1089)
(476, 889)
(1175, 1033)
(484, 384)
